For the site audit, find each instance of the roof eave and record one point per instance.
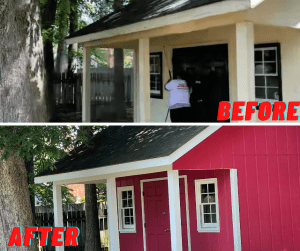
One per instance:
(201, 12)
(127, 169)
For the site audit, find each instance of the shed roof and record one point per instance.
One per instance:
(125, 144)
(140, 10)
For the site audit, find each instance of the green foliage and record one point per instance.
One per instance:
(46, 144)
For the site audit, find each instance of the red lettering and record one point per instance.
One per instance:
(224, 111)
(250, 110)
(292, 110)
(56, 235)
(44, 235)
(15, 237)
(71, 236)
(278, 111)
(265, 110)
(236, 110)
(29, 236)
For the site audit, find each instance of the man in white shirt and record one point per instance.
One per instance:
(179, 100)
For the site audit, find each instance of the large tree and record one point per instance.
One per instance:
(22, 83)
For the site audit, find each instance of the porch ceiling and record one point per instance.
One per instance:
(127, 148)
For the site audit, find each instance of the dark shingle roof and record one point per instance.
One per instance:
(141, 10)
(124, 144)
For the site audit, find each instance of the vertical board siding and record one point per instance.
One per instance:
(267, 160)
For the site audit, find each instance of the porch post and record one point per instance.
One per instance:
(58, 211)
(245, 61)
(175, 212)
(136, 85)
(143, 90)
(112, 215)
(86, 86)
(235, 210)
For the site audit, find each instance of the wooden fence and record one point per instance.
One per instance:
(74, 216)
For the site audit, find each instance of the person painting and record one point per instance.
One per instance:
(179, 99)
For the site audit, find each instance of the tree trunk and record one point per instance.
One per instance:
(23, 83)
(119, 91)
(92, 239)
(15, 209)
(29, 165)
(48, 19)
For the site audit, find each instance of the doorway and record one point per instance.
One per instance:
(157, 236)
(205, 68)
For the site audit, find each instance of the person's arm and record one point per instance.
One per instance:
(171, 85)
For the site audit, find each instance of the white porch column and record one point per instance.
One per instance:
(175, 212)
(136, 86)
(112, 214)
(86, 86)
(58, 210)
(143, 89)
(235, 210)
(245, 61)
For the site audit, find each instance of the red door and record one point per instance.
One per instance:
(157, 218)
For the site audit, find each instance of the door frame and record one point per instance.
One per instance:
(186, 203)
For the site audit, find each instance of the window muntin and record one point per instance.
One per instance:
(126, 209)
(267, 73)
(207, 205)
(156, 75)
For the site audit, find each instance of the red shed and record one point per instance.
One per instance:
(192, 188)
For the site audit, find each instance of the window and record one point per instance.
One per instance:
(207, 205)
(156, 75)
(268, 73)
(126, 209)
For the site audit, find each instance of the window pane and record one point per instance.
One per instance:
(258, 55)
(272, 81)
(259, 81)
(125, 203)
(124, 195)
(207, 218)
(270, 55)
(259, 68)
(130, 203)
(126, 212)
(131, 212)
(214, 218)
(129, 194)
(206, 209)
(204, 198)
(260, 93)
(127, 220)
(152, 82)
(132, 220)
(151, 60)
(213, 208)
(270, 68)
(273, 93)
(211, 188)
(203, 188)
(212, 197)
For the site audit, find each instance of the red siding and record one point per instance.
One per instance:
(267, 159)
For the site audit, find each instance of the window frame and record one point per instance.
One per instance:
(206, 227)
(160, 95)
(122, 228)
(278, 66)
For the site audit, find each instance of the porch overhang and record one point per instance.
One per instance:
(94, 175)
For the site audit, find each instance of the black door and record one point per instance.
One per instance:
(206, 72)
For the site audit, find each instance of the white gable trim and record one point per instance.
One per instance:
(127, 169)
(213, 9)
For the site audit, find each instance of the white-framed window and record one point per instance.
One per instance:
(207, 206)
(156, 75)
(126, 209)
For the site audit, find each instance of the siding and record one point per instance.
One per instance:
(267, 160)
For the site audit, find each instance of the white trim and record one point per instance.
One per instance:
(175, 210)
(121, 227)
(215, 227)
(58, 211)
(112, 215)
(235, 210)
(193, 142)
(214, 9)
(187, 208)
(131, 168)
